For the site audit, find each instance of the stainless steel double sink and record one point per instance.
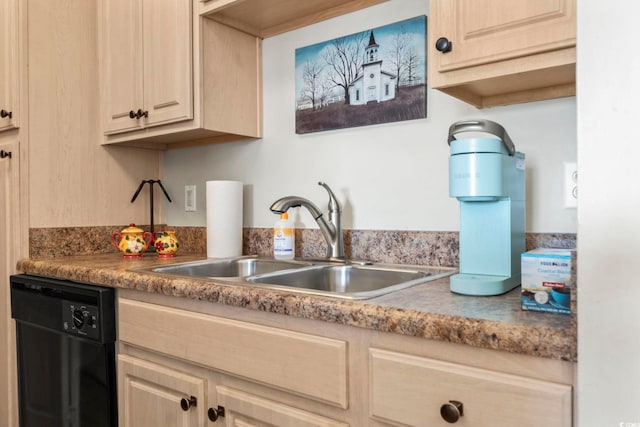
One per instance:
(341, 279)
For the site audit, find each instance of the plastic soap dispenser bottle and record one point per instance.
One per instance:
(284, 238)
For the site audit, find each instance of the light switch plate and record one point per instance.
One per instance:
(189, 198)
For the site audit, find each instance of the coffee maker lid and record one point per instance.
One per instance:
(478, 145)
(482, 126)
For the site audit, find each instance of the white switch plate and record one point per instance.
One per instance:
(189, 198)
(570, 185)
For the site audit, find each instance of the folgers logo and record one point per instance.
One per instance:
(554, 264)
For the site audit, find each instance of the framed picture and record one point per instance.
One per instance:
(367, 78)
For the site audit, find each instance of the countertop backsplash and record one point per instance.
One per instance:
(436, 248)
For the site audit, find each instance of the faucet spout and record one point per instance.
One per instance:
(331, 230)
(285, 203)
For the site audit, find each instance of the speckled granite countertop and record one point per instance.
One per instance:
(428, 311)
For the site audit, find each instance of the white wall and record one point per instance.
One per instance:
(609, 208)
(391, 176)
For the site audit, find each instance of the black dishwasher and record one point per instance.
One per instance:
(65, 339)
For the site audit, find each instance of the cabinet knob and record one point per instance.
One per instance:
(186, 404)
(138, 114)
(444, 45)
(5, 113)
(4, 154)
(214, 414)
(452, 411)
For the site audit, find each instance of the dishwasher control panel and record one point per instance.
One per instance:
(80, 319)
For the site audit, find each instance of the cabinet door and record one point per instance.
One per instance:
(155, 395)
(122, 64)
(9, 66)
(167, 61)
(247, 410)
(485, 31)
(9, 251)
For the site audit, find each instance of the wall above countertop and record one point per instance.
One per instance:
(388, 177)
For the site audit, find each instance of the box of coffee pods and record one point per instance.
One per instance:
(547, 280)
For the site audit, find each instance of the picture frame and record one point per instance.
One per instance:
(371, 77)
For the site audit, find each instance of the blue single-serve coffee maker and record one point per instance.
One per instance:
(487, 176)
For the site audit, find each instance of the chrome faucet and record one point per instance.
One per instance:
(331, 230)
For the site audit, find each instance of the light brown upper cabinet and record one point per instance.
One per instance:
(188, 72)
(9, 64)
(147, 60)
(171, 78)
(498, 52)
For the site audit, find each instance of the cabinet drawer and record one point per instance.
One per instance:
(312, 366)
(410, 390)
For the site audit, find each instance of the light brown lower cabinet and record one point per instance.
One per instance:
(156, 395)
(153, 394)
(243, 409)
(198, 364)
(410, 390)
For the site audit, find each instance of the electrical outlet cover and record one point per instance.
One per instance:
(570, 185)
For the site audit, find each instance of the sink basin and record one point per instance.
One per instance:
(232, 267)
(348, 280)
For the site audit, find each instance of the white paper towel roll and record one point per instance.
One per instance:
(224, 219)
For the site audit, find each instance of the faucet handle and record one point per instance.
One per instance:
(334, 205)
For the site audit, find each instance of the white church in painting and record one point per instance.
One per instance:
(372, 84)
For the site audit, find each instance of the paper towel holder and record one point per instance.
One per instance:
(150, 182)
